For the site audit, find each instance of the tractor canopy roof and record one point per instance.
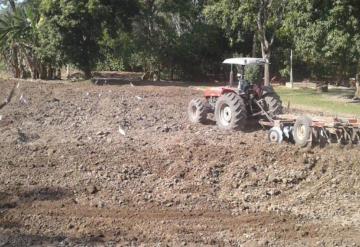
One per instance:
(246, 61)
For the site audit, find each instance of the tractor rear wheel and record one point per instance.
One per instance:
(273, 104)
(197, 111)
(230, 112)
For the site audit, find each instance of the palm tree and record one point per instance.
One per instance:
(18, 39)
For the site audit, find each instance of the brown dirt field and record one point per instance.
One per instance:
(69, 178)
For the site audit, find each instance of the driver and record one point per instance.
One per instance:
(243, 84)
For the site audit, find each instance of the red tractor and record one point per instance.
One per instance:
(232, 106)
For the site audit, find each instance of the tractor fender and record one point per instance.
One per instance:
(217, 91)
(267, 90)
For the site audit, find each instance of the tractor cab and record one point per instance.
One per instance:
(240, 64)
(244, 87)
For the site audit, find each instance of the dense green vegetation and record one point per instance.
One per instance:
(181, 39)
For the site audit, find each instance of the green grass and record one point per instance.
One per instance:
(309, 99)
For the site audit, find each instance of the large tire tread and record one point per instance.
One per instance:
(273, 104)
(237, 106)
(200, 115)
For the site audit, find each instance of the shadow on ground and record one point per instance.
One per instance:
(10, 228)
(42, 240)
(10, 199)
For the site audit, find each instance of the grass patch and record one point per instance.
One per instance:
(309, 99)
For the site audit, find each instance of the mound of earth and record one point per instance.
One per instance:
(84, 165)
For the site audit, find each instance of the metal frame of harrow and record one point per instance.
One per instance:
(325, 130)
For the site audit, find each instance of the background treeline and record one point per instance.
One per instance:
(182, 39)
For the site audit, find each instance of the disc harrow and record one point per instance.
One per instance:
(310, 131)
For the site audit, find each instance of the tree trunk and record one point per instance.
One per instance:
(15, 50)
(357, 93)
(16, 71)
(30, 60)
(37, 71)
(231, 79)
(266, 43)
(12, 5)
(159, 73)
(15, 62)
(58, 74)
(43, 72)
(254, 46)
(87, 73)
(172, 71)
(67, 71)
(50, 73)
(32, 73)
(23, 73)
(266, 53)
(267, 75)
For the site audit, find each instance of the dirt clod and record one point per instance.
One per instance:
(92, 189)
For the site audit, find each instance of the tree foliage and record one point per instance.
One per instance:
(179, 38)
(173, 36)
(80, 26)
(19, 38)
(264, 17)
(326, 34)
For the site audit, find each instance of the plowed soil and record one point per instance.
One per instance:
(120, 165)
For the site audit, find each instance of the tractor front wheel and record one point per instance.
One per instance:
(197, 111)
(230, 112)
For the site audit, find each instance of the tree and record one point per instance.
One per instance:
(16, 37)
(80, 25)
(264, 17)
(14, 62)
(173, 37)
(326, 35)
(79, 31)
(157, 30)
(21, 42)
